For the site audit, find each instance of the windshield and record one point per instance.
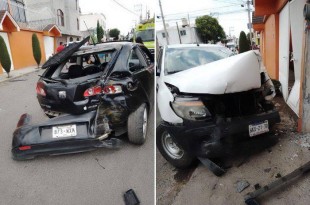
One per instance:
(146, 35)
(179, 59)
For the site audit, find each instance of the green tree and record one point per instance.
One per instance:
(100, 32)
(93, 39)
(36, 49)
(114, 33)
(5, 59)
(243, 43)
(248, 37)
(209, 29)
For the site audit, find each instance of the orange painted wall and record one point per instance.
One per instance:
(262, 45)
(271, 46)
(21, 48)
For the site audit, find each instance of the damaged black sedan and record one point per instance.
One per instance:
(99, 91)
(213, 105)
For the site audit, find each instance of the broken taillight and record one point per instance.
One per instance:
(23, 148)
(96, 90)
(112, 89)
(40, 89)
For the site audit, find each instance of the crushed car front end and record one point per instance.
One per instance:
(215, 110)
(222, 125)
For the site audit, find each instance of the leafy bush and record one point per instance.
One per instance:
(5, 59)
(243, 43)
(36, 49)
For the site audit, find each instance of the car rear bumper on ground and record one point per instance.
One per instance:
(30, 141)
(223, 138)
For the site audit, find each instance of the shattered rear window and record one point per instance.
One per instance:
(83, 65)
(179, 59)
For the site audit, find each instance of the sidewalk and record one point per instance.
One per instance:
(17, 73)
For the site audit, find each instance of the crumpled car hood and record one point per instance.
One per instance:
(234, 74)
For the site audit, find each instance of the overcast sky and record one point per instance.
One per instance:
(116, 15)
(233, 23)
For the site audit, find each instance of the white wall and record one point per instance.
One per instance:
(91, 21)
(48, 46)
(190, 37)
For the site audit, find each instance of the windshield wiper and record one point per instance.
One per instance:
(172, 72)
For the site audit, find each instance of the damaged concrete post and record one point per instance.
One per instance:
(303, 125)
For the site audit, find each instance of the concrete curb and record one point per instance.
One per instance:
(18, 73)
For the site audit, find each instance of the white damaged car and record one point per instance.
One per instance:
(213, 104)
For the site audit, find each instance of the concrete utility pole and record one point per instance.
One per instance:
(163, 18)
(178, 32)
(250, 24)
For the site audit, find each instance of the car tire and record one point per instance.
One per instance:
(175, 155)
(137, 125)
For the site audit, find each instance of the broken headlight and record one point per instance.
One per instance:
(268, 87)
(190, 108)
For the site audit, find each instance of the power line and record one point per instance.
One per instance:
(125, 7)
(228, 2)
(197, 15)
(201, 10)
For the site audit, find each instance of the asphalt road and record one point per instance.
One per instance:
(97, 177)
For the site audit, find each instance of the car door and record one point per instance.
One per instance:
(141, 70)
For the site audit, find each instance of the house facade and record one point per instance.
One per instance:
(284, 39)
(17, 33)
(91, 20)
(178, 35)
(64, 14)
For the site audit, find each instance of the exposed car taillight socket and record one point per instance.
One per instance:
(112, 89)
(40, 89)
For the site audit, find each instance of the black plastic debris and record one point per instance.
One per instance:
(267, 170)
(278, 175)
(251, 198)
(131, 198)
(257, 186)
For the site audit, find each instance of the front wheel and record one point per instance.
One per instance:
(174, 154)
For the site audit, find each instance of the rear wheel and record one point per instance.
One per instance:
(137, 125)
(171, 151)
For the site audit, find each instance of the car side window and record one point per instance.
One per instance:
(136, 61)
(147, 54)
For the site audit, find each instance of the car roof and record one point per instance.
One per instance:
(102, 47)
(194, 45)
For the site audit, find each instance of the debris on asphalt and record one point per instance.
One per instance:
(278, 175)
(131, 198)
(242, 185)
(257, 186)
(303, 140)
(267, 170)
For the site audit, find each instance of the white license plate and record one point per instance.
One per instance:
(64, 131)
(259, 128)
